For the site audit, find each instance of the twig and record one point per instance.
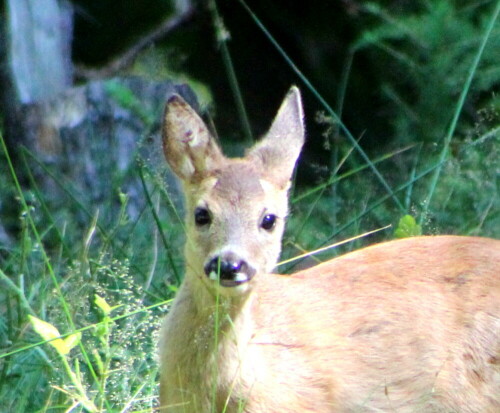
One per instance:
(128, 57)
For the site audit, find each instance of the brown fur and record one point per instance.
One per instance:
(404, 326)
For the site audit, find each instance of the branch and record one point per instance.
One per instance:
(128, 57)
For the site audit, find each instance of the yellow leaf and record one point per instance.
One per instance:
(49, 333)
(72, 340)
(102, 304)
(45, 330)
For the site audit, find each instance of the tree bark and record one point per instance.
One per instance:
(40, 34)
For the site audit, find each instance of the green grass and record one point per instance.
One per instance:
(54, 269)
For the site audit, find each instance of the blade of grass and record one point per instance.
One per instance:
(381, 201)
(86, 328)
(222, 36)
(335, 178)
(154, 246)
(412, 179)
(328, 247)
(10, 285)
(65, 187)
(34, 229)
(320, 195)
(159, 226)
(39, 197)
(372, 207)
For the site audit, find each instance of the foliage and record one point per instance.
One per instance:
(101, 355)
(407, 227)
(113, 365)
(423, 58)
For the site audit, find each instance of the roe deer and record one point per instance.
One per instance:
(403, 326)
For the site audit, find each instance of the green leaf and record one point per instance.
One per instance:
(407, 227)
(101, 330)
(98, 361)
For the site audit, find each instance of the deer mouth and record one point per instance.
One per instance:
(232, 281)
(229, 271)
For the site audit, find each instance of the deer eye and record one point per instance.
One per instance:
(202, 216)
(268, 222)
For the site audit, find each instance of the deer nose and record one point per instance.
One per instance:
(229, 269)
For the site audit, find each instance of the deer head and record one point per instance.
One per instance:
(235, 208)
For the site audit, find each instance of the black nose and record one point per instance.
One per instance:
(229, 269)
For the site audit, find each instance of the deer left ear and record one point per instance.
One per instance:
(188, 145)
(279, 150)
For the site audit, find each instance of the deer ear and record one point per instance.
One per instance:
(188, 146)
(278, 151)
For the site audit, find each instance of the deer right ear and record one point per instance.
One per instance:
(278, 151)
(188, 146)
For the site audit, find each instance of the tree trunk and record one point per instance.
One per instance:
(40, 34)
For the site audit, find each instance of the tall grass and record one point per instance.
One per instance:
(103, 287)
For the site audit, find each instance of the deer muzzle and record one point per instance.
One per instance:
(229, 270)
